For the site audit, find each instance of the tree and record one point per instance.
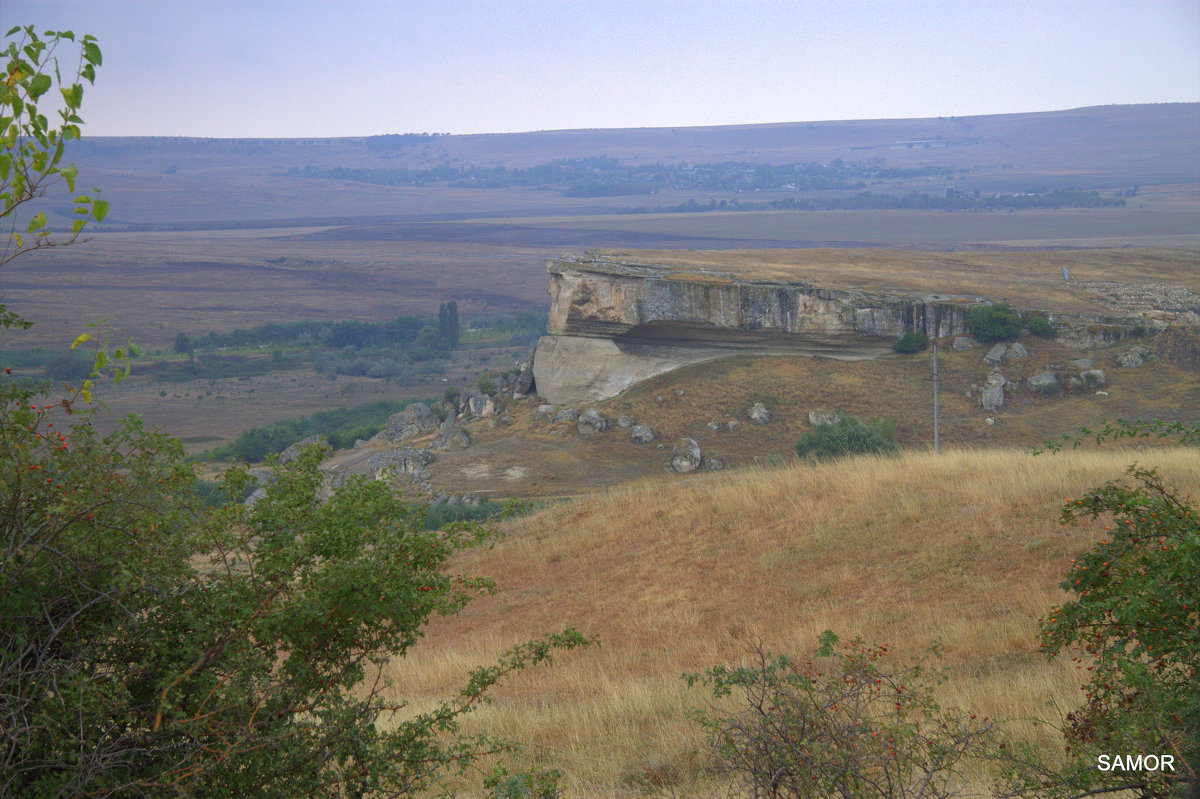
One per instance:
(452, 324)
(910, 342)
(997, 322)
(183, 344)
(31, 148)
(151, 648)
(147, 648)
(1134, 625)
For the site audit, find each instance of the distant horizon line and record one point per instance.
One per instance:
(440, 134)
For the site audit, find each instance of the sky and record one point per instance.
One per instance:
(317, 68)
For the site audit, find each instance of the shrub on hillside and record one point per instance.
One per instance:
(997, 322)
(1040, 326)
(846, 723)
(912, 341)
(849, 435)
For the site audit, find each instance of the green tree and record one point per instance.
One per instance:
(1133, 627)
(910, 342)
(148, 649)
(183, 343)
(31, 147)
(997, 322)
(452, 324)
(849, 435)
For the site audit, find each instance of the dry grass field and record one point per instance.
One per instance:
(1027, 279)
(677, 575)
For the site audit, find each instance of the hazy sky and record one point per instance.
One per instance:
(260, 68)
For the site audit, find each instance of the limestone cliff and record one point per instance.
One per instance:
(617, 319)
(614, 323)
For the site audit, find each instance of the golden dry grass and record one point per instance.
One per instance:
(1029, 278)
(674, 576)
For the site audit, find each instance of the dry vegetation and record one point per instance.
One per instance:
(674, 576)
(1027, 279)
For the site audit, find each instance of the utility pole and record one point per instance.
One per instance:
(936, 441)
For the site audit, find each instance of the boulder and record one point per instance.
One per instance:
(733, 424)
(1017, 350)
(481, 406)
(712, 464)
(823, 417)
(407, 460)
(591, 422)
(685, 456)
(1131, 359)
(1045, 383)
(715, 425)
(566, 415)
(293, 452)
(991, 421)
(625, 422)
(758, 413)
(641, 434)
(523, 383)
(1081, 363)
(996, 354)
(544, 411)
(1093, 377)
(451, 438)
(992, 397)
(962, 344)
(415, 420)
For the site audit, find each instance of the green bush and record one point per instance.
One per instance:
(485, 385)
(912, 341)
(997, 322)
(1040, 326)
(340, 426)
(849, 435)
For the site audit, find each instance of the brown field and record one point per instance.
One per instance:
(676, 575)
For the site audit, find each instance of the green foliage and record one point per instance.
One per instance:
(341, 427)
(31, 147)
(149, 649)
(451, 395)
(997, 322)
(183, 343)
(848, 436)
(910, 342)
(845, 724)
(1040, 326)
(1135, 621)
(486, 385)
(523, 784)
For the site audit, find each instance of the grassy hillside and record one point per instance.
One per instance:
(674, 576)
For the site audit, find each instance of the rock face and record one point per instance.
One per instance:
(613, 324)
(293, 452)
(758, 413)
(415, 420)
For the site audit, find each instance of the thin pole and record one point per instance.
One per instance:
(936, 440)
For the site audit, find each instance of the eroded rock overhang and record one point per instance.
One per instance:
(613, 324)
